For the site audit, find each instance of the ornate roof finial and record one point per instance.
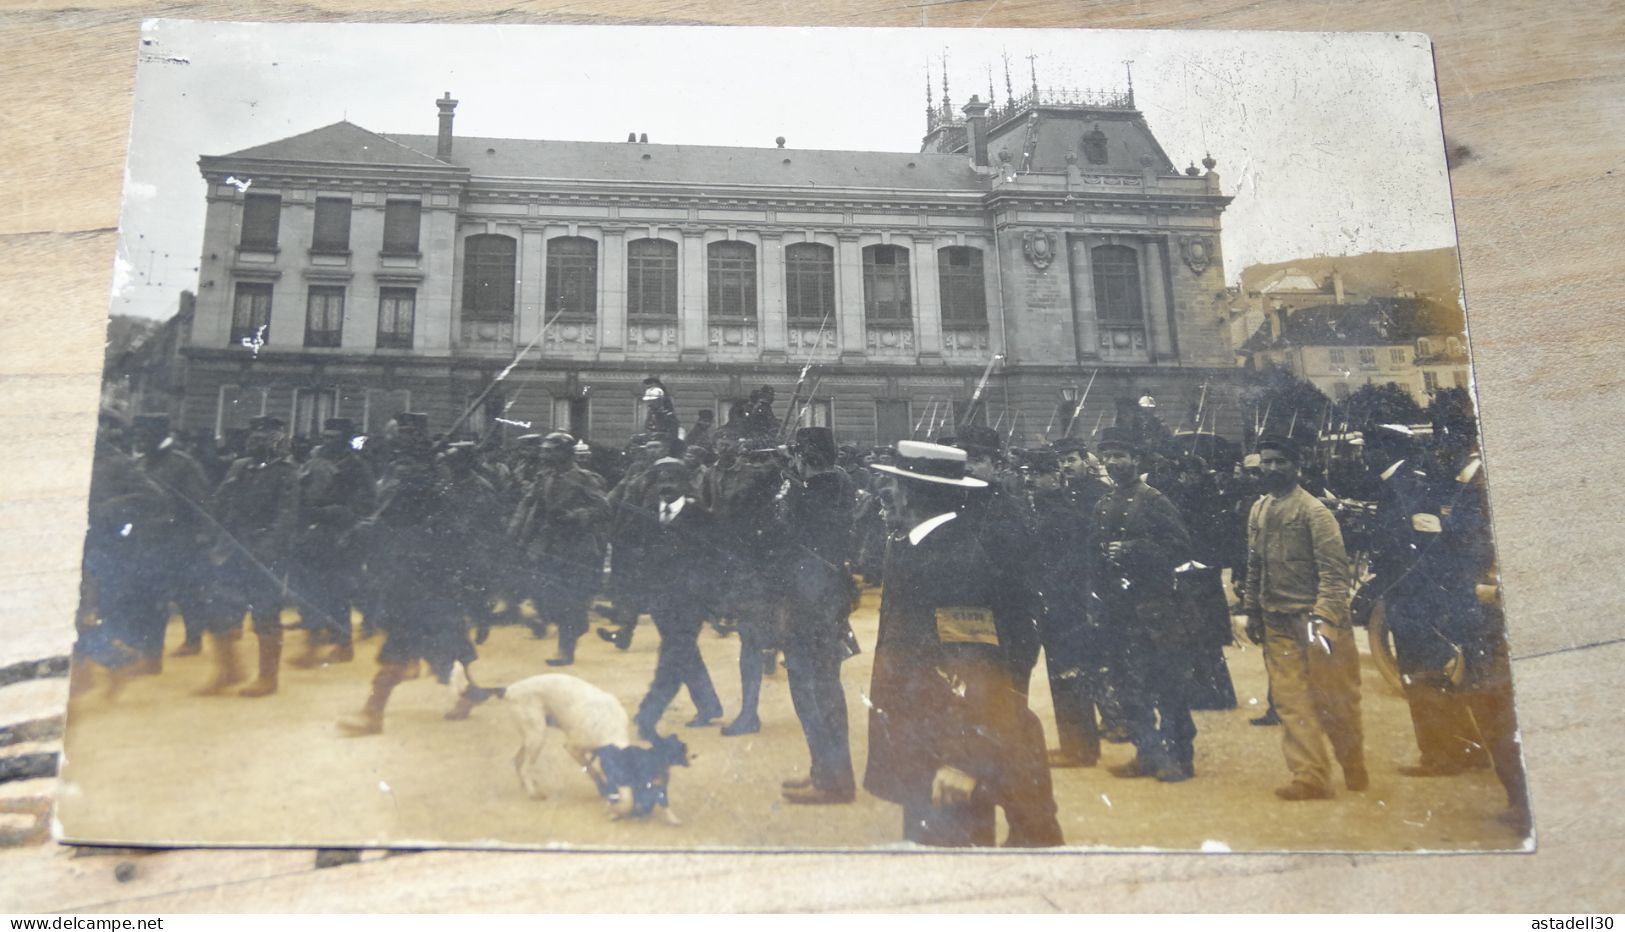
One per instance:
(1009, 90)
(928, 102)
(1128, 65)
(947, 107)
(1032, 66)
(992, 97)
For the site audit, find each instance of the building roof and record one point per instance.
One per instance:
(341, 142)
(491, 157)
(1291, 280)
(717, 165)
(1377, 322)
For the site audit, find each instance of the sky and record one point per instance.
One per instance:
(1330, 143)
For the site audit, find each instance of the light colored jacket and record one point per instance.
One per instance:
(1295, 558)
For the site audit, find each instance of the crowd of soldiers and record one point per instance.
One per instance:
(1108, 556)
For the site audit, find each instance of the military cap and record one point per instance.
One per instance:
(1067, 445)
(559, 440)
(266, 422)
(526, 440)
(342, 425)
(1281, 444)
(1118, 438)
(977, 438)
(817, 440)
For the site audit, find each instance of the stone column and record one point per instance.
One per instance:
(772, 323)
(612, 292)
(1083, 299)
(927, 300)
(691, 330)
(995, 300)
(849, 281)
(1155, 300)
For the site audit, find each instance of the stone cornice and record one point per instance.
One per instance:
(274, 172)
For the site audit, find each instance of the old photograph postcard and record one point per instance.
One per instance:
(726, 438)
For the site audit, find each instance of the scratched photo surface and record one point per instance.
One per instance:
(682, 437)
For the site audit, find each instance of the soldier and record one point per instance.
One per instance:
(584, 462)
(412, 532)
(1139, 540)
(258, 508)
(559, 524)
(950, 735)
(629, 524)
(678, 556)
(126, 507)
(740, 492)
(475, 511)
(817, 503)
(1200, 582)
(179, 549)
(1297, 605)
(1060, 581)
(700, 435)
(335, 493)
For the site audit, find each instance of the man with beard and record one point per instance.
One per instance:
(950, 735)
(1139, 540)
(259, 508)
(413, 531)
(1297, 605)
(678, 557)
(178, 548)
(335, 492)
(559, 524)
(817, 517)
(740, 492)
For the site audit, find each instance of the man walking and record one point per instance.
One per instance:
(1297, 605)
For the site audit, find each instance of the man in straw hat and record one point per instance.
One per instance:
(950, 735)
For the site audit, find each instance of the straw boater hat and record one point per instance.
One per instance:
(931, 462)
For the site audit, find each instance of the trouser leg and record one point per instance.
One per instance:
(1066, 661)
(1302, 740)
(1491, 705)
(820, 703)
(668, 679)
(1334, 679)
(1026, 792)
(750, 672)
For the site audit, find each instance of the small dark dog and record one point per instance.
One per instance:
(642, 770)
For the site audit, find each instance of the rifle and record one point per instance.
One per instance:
(981, 386)
(789, 413)
(480, 398)
(1079, 408)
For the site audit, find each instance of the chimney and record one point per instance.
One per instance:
(1337, 286)
(976, 121)
(448, 107)
(643, 137)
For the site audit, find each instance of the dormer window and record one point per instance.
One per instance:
(1094, 146)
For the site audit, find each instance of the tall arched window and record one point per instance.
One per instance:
(809, 283)
(488, 276)
(885, 285)
(651, 278)
(964, 298)
(572, 277)
(731, 273)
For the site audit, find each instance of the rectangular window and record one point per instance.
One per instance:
(731, 276)
(251, 313)
(651, 278)
(964, 299)
(397, 307)
(332, 233)
(1430, 381)
(886, 294)
(809, 283)
(237, 406)
(324, 316)
(574, 415)
(1459, 376)
(262, 217)
(1396, 356)
(1334, 357)
(572, 277)
(311, 407)
(1368, 358)
(892, 422)
(401, 222)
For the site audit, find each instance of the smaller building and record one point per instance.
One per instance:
(1417, 344)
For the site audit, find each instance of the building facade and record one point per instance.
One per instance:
(1412, 343)
(348, 272)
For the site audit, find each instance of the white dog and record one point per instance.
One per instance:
(597, 734)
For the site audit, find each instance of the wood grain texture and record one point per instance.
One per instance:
(1532, 108)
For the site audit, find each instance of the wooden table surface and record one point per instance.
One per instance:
(1532, 109)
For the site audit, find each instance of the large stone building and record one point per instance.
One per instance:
(359, 273)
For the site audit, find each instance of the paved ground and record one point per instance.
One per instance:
(159, 765)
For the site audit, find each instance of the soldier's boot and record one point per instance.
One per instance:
(311, 655)
(228, 668)
(341, 653)
(370, 720)
(270, 665)
(566, 654)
